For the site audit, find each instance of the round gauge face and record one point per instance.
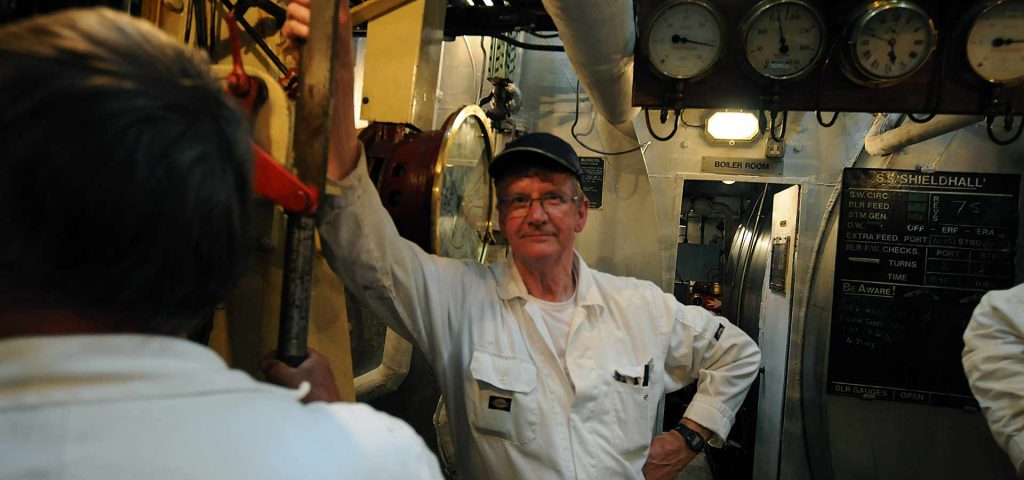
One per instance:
(684, 40)
(465, 196)
(783, 39)
(995, 43)
(893, 41)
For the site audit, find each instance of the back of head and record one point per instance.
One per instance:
(125, 173)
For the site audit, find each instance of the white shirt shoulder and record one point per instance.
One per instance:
(388, 447)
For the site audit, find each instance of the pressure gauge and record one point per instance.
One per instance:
(684, 39)
(435, 184)
(888, 41)
(995, 42)
(463, 196)
(782, 39)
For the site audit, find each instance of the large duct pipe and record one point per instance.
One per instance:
(909, 133)
(599, 37)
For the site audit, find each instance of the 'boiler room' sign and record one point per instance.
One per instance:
(741, 166)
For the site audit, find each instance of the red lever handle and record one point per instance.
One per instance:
(240, 84)
(275, 183)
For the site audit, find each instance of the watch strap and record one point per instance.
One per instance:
(693, 439)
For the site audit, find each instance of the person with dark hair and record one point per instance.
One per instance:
(124, 210)
(549, 369)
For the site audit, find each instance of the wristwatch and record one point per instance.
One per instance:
(693, 439)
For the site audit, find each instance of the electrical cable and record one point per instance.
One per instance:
(213, 29)
(201, 21)
(469, 53)
(576, 120)
(527, 46)
(544, 35)
(1007, 126)
(675, 125)
(817, 91)
(934, 89)
(685, 124)
(188, 21)
(483, 68)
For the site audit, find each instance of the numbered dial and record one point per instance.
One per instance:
(995, 43)
(684, 39)
(890, 41)
(463, 208)
(782, 39)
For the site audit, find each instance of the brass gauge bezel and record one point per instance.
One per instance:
(763, 8)
(468, 113)
(409, 169)
(968, 27)
(851, 63)
(662, 10)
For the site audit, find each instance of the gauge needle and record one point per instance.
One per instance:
(678, 39)
(1000, 42)
(892, 51)
(877, 37)
(783, 48)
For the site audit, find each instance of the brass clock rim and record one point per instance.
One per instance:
(870, 12)
(972, 22)
(721, 37)
(454, 121)
(762, 6)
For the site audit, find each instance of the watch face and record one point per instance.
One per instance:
(684, 40)
(783, 38)
(694, 441)
(995, 43)
(891, 42)
(464, 198)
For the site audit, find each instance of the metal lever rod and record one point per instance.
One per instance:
(257, 39)
(311, 141)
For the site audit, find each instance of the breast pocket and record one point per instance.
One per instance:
(504, 403)
(631, 405)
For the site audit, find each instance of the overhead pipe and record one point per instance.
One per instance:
(879, 143)
(604, 61)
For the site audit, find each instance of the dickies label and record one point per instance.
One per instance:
(718, 333)
(499, 403)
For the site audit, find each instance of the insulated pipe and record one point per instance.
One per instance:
(909, 133)
(393, 368)
(599, 37)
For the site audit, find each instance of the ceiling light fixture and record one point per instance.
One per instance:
(732, 126)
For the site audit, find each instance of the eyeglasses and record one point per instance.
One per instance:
(519, 205)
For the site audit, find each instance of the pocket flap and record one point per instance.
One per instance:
(506, 373)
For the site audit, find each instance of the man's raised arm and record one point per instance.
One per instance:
(344, 149)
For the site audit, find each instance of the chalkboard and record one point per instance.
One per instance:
(915, 253)
(593, 179)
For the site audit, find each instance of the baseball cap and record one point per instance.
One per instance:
(537, 146)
